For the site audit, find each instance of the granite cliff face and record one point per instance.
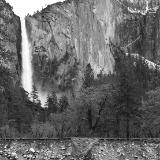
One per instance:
(66, 36)
(138, 32)
(10, 40)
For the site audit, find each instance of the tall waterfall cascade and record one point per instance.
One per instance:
(26, 59)
(22, 8)
(27, 70)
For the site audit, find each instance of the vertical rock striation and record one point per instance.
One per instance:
(10, 40)
(66, 36)
(139, 32)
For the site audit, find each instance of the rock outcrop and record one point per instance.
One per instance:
(10, 40)
(66, 36)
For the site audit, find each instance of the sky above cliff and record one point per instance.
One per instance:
(23, 7)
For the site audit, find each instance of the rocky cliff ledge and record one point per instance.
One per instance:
(67, 36)
(10, 40)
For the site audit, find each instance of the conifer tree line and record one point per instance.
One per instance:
(124, 104)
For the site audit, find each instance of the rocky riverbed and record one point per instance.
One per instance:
(79, 149)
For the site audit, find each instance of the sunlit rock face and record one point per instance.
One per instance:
(10, 40)
(66, 36)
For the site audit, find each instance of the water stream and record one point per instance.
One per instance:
(26, 59)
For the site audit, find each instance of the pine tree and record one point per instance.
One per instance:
(34, 95)
(3, 109)
(155, 78)
(88, 77)
(63, 103)
(142, 72)
(52, 103)
(129, 97)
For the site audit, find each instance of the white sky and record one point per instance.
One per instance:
(23, 7)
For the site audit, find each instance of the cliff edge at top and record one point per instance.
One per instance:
(67, 36)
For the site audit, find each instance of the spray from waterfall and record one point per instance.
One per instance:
(26, 59)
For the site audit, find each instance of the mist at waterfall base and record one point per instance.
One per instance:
(22, 8)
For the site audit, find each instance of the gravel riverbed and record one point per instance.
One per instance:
(79, 149)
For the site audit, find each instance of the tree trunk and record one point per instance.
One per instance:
(127, 127)
(89, 118)
(117, 126)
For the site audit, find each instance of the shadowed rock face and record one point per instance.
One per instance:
(10, 40)
(141, 31)
(66, 36)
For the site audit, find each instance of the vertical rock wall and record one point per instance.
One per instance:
(72, 34)
(10, 40)
(67, 36)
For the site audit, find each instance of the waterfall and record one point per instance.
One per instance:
(26, 59)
